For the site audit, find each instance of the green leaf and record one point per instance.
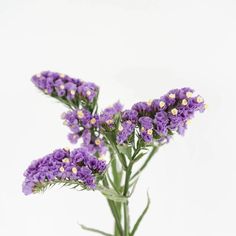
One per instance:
(170, 132)
(125, 149)
(94, 230)
(133, 184)
(111, 194)
(151, 154)
(141, 216)
(139, 156)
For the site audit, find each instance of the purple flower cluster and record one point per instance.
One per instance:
(62, 165)
(157, 118)
(64, 87)
(107, 116)
(83, 124)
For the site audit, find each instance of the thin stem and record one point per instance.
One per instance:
(114, 147)
(127, 178)
(126, 219)
(117, 177)
(125, 205)
(114, 210)
(152, 153)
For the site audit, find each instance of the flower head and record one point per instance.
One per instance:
(67, 89)
(88, 91)
(126, 129)
(157, 119)
(62, 166)
(108, 115)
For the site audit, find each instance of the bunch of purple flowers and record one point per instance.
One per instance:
(71, 91)
(158, 119)
(126, 137)
(63, 166)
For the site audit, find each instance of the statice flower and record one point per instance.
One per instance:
(131, 115)
(83, 124)
(161, 121)
(69, 90)
(125, 131)
(88, 91)
(78, 167)
(146, 130)
(107, 117)
(142, 108)
(160, 118)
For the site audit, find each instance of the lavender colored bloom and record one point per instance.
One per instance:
(88, 91)
(146, 122)
(131, 115)
(71, 90)
(65, 88)
(60, 87)
(86, 137)
(70, 118)
(158, 105)
(117, 107)
(146, 130)
(73, 138)
(107, 116)
(171, 97)
(161, 120)
(163, 116)
(96, 146)
(185, 93)
(83, 124)
(142, 108)
(126, 129)
(63, 165)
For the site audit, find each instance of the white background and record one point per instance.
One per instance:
(135, 50)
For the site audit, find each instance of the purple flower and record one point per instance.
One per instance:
(73, 138)
(60, 87)
(107, 116)
(88, 91)
(71, 90)
(161, 120)
(142, 108)
(126, 129)
(185, 93)
(158, 105)
(63, 165)
(163, 116)
(86, 137)
(131, 115)
(146, 130)
(146, 122)
(65, 88)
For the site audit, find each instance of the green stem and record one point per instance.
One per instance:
(116, 150)
(152, 153)
(114, 210)
(117, 177)
(125, 193)
(126, 219)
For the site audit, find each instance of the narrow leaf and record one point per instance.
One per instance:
(94, 230)
(141, 216)
(111, 194)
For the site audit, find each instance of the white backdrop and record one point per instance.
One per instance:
(135, 50)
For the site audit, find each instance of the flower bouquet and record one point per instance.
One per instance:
(128, 138)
